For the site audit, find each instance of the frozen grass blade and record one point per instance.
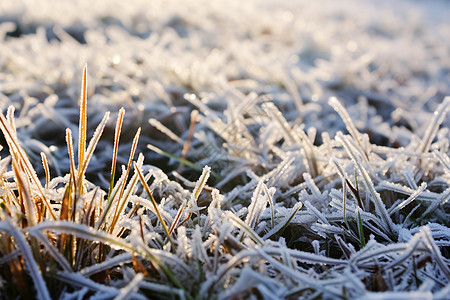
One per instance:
(444, 159)
(116, 260)
(281, 227)
(292, 137)
(199, 186)
(158, 125)
(443, 199)
(334, 102)
(133, 286)
(432, 128)
(410, 199)
(244, 227)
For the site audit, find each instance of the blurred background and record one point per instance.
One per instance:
(388, 62)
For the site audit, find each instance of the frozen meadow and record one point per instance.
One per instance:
(224, 149)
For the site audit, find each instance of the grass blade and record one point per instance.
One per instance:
(82, 127)
(155, 205)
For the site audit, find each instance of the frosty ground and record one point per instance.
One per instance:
(278, 150)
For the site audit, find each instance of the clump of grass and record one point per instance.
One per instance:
(292, 225)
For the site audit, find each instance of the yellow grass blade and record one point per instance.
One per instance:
(122, 188)
(46, 169)
(83, 123)
(117, 133)
(19, 155)
(24, 193)
(155, 205)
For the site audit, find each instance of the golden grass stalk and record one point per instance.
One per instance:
(155, 205)
(82, 167)
(82, 126)
(46, 169)
(24, 195)
(117, 133)
(18, 155)
(122, 188)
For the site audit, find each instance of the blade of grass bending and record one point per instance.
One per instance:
(122, 188)
(127, 291)
(155, 205)
(18, 153)
(89, 233)
(281, 227)
(443, 199)
(117, 133)
(35, 274)
(84, 232)
(243, 226)
(410, 199)
(270, 200)
(82, 127)
(54, 252)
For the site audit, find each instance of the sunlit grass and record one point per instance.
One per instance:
(103, 237)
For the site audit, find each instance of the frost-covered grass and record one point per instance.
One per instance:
(238, 149)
